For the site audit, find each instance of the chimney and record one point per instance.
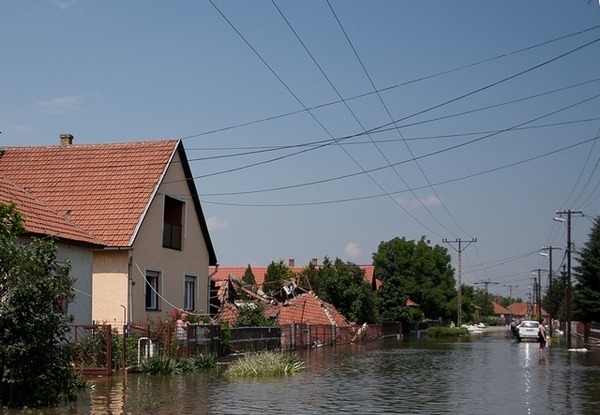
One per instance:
(66, 139)
(314, 261)
(291, 262)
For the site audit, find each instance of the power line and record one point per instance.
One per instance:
(412, 81)
(364, 130)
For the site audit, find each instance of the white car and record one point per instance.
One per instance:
(528, 330)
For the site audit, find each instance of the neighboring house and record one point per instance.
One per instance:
(220, 274)
(140, 200)
(299, 307)
(307, 308)
(501, 313)
(525, 311)
(73, 244)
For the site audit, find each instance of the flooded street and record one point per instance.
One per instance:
(486, 374)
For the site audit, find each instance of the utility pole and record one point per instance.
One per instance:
(569, 213)
(459, 249)
(538, 291)
(550, 278)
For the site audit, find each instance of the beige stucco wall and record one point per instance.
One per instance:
(110, 287)
(148, 253)
(111, 266)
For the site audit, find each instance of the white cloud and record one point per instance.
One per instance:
(430, 200)
(352, 250)
(215, 223)
(65, 4)
(59, 105)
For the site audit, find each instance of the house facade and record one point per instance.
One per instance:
(139, 199)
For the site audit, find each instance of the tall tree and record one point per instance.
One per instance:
(277, 273)
(343, 285)
(310, 278)
(35, 360)
(586, 296)
(249, 276)
(416, 271)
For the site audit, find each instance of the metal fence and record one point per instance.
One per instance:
(251, 339)
(301, 336)
(204, 339)
(92, 352)
(94, 344)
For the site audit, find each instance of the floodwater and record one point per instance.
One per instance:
(487, 374)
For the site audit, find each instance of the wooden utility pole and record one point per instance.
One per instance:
(550, 278)
(459, 249)
(538, 291)
(568, 301)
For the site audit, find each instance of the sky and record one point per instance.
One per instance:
(322, 128)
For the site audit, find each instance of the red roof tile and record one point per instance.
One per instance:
(97, 185)
(309, 309)
(523, 309)
(40, 218)
(499, 309)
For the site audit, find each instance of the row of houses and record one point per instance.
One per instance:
(128, 219)
(517, 312)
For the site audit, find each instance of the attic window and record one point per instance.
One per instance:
(173, 223)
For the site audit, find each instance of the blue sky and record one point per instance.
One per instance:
(322, 128)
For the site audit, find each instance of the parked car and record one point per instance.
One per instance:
(528, 330)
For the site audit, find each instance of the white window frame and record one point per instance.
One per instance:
(155, 296)
(193, 278)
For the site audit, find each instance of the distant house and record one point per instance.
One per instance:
(73, 244)
(302, 307)
(501, 313)
(139, 200)
(525, 311)
(222, 273)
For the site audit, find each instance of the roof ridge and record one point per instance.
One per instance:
(108, 143)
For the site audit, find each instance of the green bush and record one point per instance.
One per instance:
(204, 361)
(164, 365)
(35, 354)
(265, 363)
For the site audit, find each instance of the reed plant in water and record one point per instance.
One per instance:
(265, 363)
(164, 365)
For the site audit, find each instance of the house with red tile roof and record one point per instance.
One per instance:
(501, 313)
(308, 309)
(73, 244)
(140, 201)
(222, 273)
(525, 311)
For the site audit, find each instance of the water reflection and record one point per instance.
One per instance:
(488, 374)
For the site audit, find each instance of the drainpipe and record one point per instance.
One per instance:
(208, 288)
(129, 285)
